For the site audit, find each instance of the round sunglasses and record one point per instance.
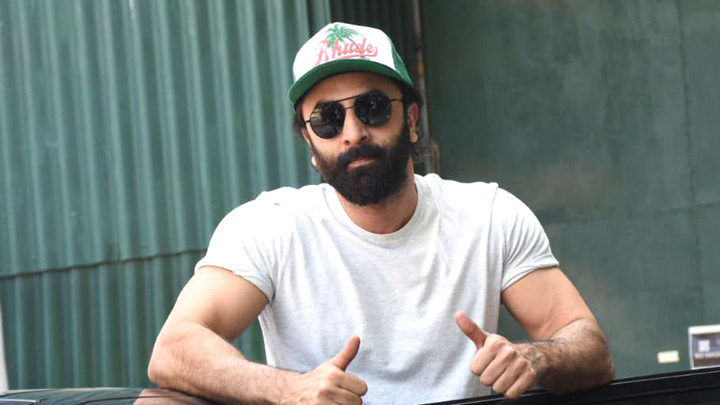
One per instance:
(373, 108)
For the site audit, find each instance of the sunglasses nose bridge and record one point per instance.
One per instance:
(353, 130)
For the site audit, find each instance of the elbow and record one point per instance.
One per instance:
(609, 368)
(159, 367)
(155, 369)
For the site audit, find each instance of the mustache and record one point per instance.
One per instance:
(362, 151)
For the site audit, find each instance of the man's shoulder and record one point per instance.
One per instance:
(470, 198)
(293, 197)
(282, 202)
(455, 192)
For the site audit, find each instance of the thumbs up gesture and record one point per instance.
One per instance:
(500, 364)
(329, 383)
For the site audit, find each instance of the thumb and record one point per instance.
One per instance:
(470, 328)
(347, 354)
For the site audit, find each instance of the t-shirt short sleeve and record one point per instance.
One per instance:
(244, 243)
(525, 245)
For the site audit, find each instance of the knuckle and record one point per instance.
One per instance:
(507, 353)
(526, 370)
(334, 376)
(325, 387)
(491, 340)
(495, 339)
(530, 376)
(519, 372)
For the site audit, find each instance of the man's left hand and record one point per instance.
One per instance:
(500, 364)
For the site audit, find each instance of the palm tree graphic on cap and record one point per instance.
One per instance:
(338, 34)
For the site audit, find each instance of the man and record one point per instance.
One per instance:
(414, 267)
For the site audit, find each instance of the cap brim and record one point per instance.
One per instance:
(309, 79)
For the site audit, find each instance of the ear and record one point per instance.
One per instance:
(313, 162)
(413, 113)
(305, 135)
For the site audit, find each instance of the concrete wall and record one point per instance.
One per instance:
(603, 117)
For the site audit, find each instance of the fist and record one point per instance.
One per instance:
(329, 383)
(499, 363)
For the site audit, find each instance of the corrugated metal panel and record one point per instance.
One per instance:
(127, 130)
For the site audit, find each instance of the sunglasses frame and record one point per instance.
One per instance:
(362, 118)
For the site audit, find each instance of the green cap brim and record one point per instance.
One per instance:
(309, 79)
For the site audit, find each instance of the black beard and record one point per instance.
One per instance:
(372, 182)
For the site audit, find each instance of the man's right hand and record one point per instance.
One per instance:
(329, 383)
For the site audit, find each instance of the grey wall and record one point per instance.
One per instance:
(603, 117)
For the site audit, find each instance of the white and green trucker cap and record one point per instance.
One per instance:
(340, 47)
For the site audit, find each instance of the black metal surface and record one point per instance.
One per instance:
(696, 387)
(684, 387)
(99, 396)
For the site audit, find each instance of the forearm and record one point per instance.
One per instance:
(193, 359)
(577, 357)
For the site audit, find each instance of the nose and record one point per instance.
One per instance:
(354, 132)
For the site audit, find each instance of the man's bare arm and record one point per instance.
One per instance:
(575, 358)
(193, 354)
(569, 351)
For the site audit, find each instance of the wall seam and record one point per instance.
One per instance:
(691, 162)
(87, 266)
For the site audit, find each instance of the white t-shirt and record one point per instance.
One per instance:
(327, 279)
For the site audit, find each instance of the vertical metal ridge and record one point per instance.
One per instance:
(87, 131)
(28, 100)
(223, 87)
(195, 104)
(130, 315)
(110, 98)
(168, 124)
(9, 247)
(21, 357)
(64, 213)
(49, 328)
(21, 309)
(47, 140)
(131, 285)
(257, 150)
(168, 132)
(279, 56)
(106, 275)
(140, 126)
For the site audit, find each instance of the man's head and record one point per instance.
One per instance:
(357, 110)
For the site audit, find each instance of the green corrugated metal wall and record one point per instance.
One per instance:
(603, 116)
(127, 130)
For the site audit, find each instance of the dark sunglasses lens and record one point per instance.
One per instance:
(373, 108)
(327, 120)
